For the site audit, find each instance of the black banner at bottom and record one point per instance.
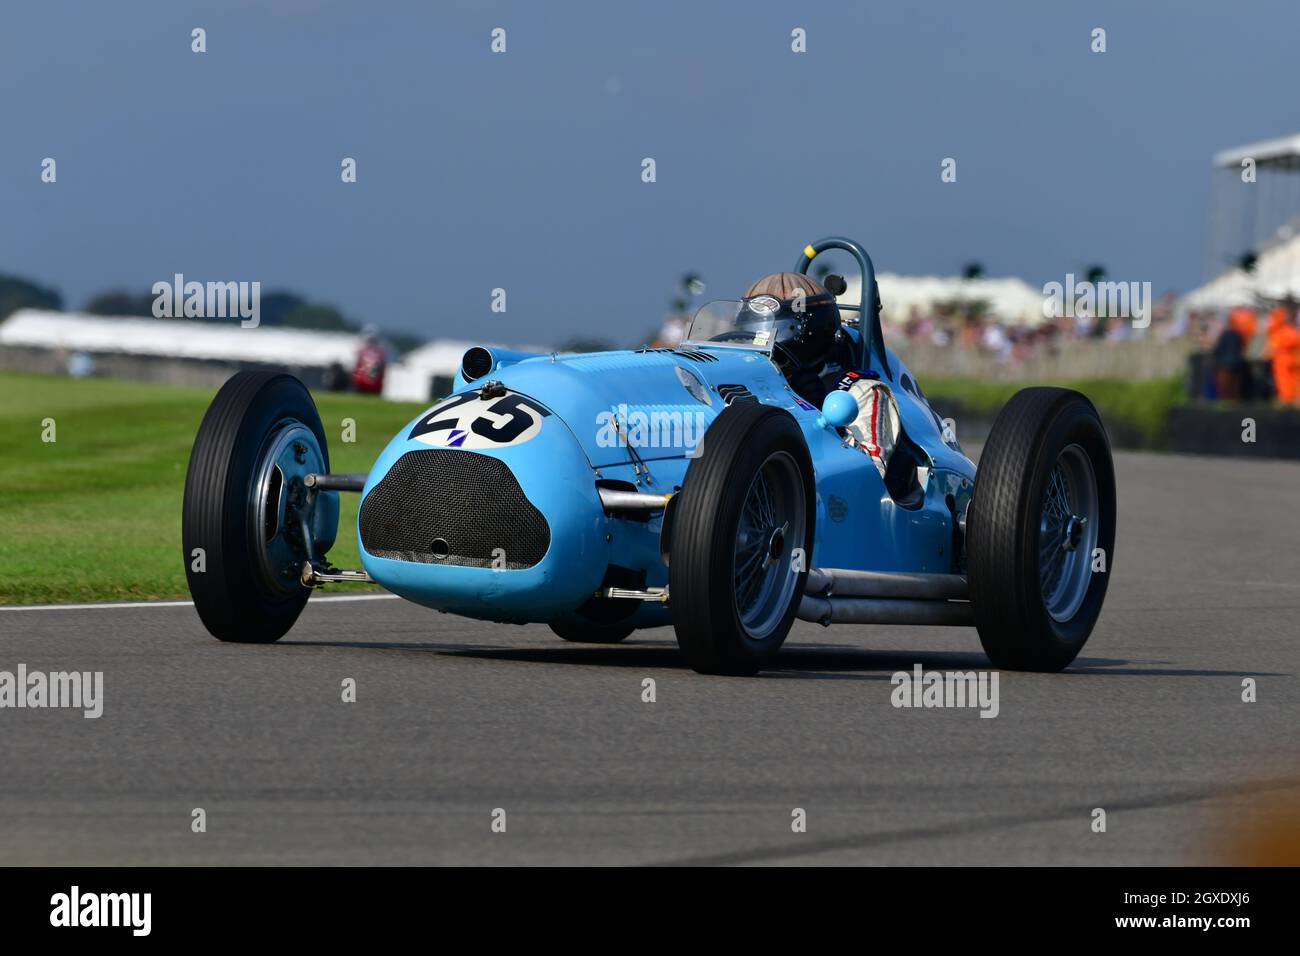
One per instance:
(103, 904)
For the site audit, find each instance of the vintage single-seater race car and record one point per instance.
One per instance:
(779, 463)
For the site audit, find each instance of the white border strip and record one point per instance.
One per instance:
(144, 604)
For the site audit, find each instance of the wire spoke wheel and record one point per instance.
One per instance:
(771, 525)
(746, 507)
(1040, 530)
(1068, 533)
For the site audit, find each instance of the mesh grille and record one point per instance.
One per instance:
(452, 507)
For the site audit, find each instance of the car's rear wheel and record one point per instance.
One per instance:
(592, 633)
(745, 509)
(1041, 530)
(248, 518)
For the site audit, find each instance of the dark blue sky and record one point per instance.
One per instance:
(522, 170)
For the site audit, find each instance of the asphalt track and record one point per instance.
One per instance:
(455, 718)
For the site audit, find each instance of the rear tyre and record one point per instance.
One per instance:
(1041, 530)
(746, 504)
(592, 633)
(246, 506)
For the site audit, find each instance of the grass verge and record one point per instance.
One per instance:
(96, 514)
(1134, 410)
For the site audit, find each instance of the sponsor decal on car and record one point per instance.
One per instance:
(806, 406)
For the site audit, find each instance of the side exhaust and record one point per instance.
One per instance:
(617, 502)
(834, 596)
(887, 584)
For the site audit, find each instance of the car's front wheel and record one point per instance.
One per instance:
(249, 522)
(741, 539)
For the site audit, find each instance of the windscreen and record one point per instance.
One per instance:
(729, 322)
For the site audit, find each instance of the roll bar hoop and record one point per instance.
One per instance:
(868, 309)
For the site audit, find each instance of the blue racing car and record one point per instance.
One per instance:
(780, 462)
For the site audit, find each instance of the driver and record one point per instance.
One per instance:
(808, 345)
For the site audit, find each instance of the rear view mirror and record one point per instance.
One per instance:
(839, 409)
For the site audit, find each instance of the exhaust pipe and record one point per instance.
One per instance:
(852, 610)
(615, 501)
(835, 596)
(886, 584)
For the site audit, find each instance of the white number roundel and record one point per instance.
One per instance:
(469, 421)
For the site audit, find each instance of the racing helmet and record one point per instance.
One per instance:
(802, 313)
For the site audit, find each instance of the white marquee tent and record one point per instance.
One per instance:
(410, 379)
(1012, 300)
(178, 338)
(1260, 215)
(1276, 275)
(413, 378)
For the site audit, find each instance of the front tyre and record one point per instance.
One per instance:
(1041, 530)
(248, 518)
(747, 503)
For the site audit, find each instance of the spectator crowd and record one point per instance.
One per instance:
(1251, 354)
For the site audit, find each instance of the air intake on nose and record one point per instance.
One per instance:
(476, 363)
(440, 506)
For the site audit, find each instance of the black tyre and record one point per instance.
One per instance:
(1041, 530)
(747, 502)
(592, 633)
(246, 507)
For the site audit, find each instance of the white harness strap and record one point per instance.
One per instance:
(875, 430)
